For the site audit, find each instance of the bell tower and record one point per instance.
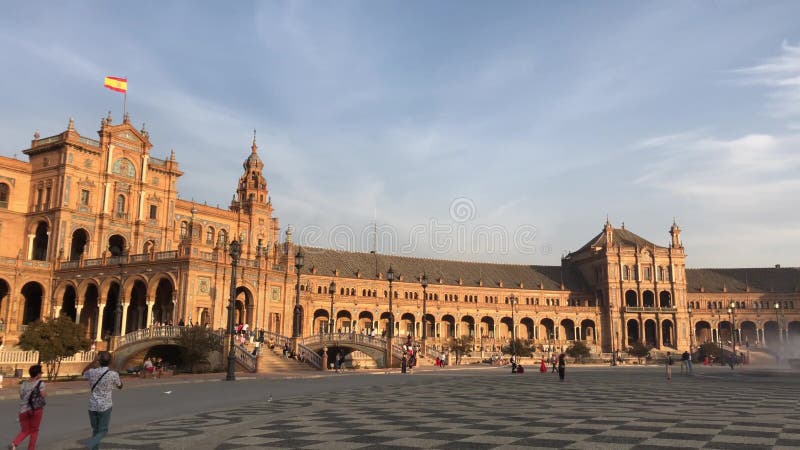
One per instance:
(252, 190)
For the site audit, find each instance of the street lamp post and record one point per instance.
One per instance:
(331, 322)
(235, 252)
(424, 282)
(298, 311)
(778, 322)
(691, 329)
(611, 335)
(513, 300)
(732, 312)
(118, 309)
(390, 330)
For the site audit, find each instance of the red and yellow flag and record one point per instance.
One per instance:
(116, 84)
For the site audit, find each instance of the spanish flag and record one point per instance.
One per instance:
(116, 84)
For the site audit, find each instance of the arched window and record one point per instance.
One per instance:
(120, 205)
(184, 229)
(222, 237)
(210, 235)
(4, 191)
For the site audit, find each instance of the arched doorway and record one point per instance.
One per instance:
(365, 320)
(164, 306)
(68, 303)
(4, 291)
(321, 322)
(650, 333)
(429, 324)
(667, 333)
(631, 299)
(110, 311)
(116, 245)
(702, 332)
(244, 306)
(90, 311)
(448, 327)
(487, 327)
(32, 309)
(633, 331)
(725, 332)
(793, 330)
(526, 328)
(506, 327)
(467, 326)
(587, 330)
(383, 325)
(80, 238)
(406, 325)
(748, 333)
(137, 307)
(771, 337)
(40, 241)
(549, 329)
(343, 321)
(665, 299)
(569, 329)
(648, 299)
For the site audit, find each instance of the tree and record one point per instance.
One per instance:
(54, 339)
(578, 350)
(461, 346)
(520, 347)
(196, 343)
(639, 350)
(710, 350)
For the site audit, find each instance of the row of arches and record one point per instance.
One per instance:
(747, 332)
(447, 326)
(648, 299)
(39, 244)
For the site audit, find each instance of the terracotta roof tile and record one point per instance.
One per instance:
(762, 279)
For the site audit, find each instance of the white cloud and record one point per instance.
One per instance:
(782, 75)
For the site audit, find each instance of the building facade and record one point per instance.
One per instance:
(93, 228)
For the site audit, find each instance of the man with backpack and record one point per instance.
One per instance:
(102, 381)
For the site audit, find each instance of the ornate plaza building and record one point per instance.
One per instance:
(92, 228)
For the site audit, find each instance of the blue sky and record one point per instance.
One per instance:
(527, 122)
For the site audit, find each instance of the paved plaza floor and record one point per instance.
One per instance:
(619, 408)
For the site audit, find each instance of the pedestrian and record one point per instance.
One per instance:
(513, 364)
(404, 363)
(149, 368)
(102, 381)
(668, 364)
(31, 407)
(553, 361)
(685, 363)
(731, 360)
(256, 347)
(689, 363)
(562, 366)
(543, 366)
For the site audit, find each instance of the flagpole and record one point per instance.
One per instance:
(124, 104)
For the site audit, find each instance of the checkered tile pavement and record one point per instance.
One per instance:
(598, 408)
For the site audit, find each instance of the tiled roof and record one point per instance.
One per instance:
(326, 261)
(622, 237)
(762, 279)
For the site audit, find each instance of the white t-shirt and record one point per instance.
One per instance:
(100, 397)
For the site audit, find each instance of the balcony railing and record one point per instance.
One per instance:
(650, 309)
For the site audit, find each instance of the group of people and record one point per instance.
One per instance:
(409, 359)
(558, 363)
(153, 367)
(33, 398)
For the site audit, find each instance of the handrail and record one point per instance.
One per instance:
(311, 356)
(32, 357)
(247, 359)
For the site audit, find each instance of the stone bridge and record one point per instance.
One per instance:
(139, 341)
(373, 346)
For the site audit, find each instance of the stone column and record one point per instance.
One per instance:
(78, 309)
(124, 323)
(30, 246)
(150, 313)
(99, 331)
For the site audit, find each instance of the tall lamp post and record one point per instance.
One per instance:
(424, 282)
(235, 252)
(298, 311)
(332, 322)
(611, 335)
(691, 329)
(513, 300)
(390, 330)
(732, 312)
(778, 322)
(118, 309)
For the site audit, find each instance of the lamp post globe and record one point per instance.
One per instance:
(235, 251)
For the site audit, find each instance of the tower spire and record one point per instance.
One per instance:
(254, 148)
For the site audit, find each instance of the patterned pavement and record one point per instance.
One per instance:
(595, 408)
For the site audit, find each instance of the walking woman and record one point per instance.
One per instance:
(31, 406)
(562, 366)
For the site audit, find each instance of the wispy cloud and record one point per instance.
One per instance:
(781, 74)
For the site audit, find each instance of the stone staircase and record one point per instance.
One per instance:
(273, 362)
